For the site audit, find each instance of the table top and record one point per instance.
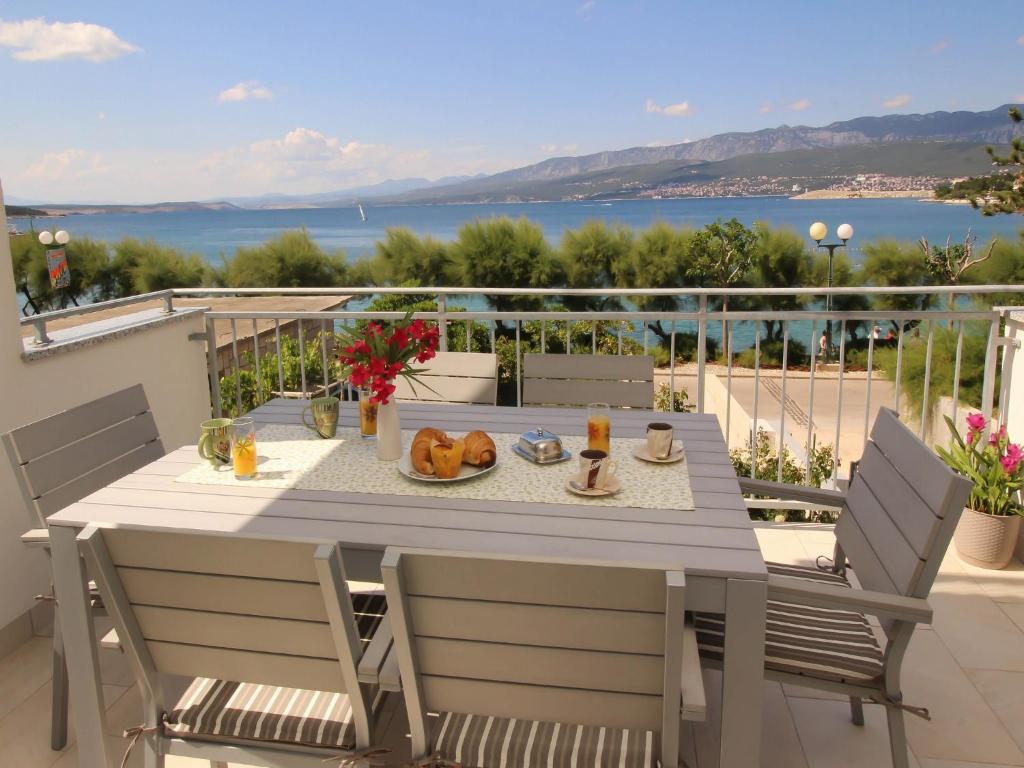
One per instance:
(714, 539)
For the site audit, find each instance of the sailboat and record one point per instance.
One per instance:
(362, 213)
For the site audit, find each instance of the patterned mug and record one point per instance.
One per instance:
(325, 415)
(215, 441)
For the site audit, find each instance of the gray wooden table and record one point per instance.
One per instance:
(714, 543)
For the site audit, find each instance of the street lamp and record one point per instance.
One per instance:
(57, 263)
(818, 233)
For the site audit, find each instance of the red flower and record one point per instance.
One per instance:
(378, 366)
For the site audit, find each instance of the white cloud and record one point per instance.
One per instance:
(558, 149)
(101, 115)
(66, 165)
(940, 46)
(764, 109)
(799, 105)
(586, 8)
(1020, 40)
(682, 109)
(251, 89)
(36, 40)
(897, 101)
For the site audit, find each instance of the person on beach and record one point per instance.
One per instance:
(823, 346)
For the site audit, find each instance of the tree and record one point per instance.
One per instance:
(721, 256)
(948, 264)
(87, 259)
(1006, 200)
(590, 258)
(781, 260)
(405, 258)
(844, 275)
(290, 260)
(659, 259)
(501, 253)
(888, 263)
(141, 266)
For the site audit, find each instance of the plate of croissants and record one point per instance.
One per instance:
(436, 457)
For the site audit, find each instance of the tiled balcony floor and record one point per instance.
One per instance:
(968, 669)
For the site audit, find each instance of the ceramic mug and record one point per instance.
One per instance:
(215, 441)
(325, 416)
(595, 466)
(659, 440)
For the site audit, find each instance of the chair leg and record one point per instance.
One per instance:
(897, 737)
(59, 698)
(857, 710)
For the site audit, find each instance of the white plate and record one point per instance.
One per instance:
(466, 472)
(614, 486)
(642, 453)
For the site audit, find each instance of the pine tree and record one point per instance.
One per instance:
(1008, 200)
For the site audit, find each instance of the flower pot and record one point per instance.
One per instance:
(389, 432)
(985, 540)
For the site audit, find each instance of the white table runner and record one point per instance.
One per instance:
(291, 456)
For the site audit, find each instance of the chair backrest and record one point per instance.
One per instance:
(537, 639)
(901, 510)
(454, 377)
(229, 607)
(65, 457)
(622, 381)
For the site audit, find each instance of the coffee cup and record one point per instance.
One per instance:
(325, 416)
(215, 441)
(595, 467)
(659, 440)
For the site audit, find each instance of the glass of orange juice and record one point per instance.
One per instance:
(243, 447)
(599, 427)
(367, 415)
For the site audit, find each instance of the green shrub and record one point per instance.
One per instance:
(771, 355)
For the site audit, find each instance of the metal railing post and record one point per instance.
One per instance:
(41, 339)
(168, 303)
(211, 368)
(988, 386)
(442, 320)
(702, 336)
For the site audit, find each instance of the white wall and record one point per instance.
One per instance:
(170, 367)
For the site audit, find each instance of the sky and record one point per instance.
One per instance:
(145, 102)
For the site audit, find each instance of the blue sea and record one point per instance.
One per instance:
(217, 233)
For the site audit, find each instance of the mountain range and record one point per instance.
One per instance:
(825, 147)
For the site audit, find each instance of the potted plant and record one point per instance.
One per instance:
(373, 357)
(987, 532)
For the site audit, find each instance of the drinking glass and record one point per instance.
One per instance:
(367, 415)
(243, 447)
(599, 427)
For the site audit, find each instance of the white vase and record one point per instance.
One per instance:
(389, 432)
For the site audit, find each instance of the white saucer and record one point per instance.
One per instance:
(643, 454)
(614, 486)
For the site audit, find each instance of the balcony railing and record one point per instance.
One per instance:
(557, 329)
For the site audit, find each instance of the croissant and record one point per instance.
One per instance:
(419, 453)
(480, 449)
(447, 456)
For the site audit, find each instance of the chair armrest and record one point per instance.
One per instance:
(823, 496)
(791, 590)
(37, 537)
(373, 658)
(695, 703)
(390, 678)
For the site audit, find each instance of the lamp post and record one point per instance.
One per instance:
(818, 233)
(57, 262)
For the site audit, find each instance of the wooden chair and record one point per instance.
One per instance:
(266, 628)
(536, 661)
(65, 457)
(897, 519)
(622, 381)
(454, 377)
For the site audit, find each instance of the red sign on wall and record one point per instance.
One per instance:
(57, 264)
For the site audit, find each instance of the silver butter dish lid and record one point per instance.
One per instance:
(541, 444)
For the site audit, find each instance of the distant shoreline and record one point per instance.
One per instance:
(867, 194)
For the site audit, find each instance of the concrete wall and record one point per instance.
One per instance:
(1013, 380)
(716, 400)
(170, 367)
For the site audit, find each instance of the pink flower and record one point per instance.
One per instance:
(1009, 464)
(976, 422)
(1014, 452)
(970, 437)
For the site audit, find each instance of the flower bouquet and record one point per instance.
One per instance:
(988, 530)
(374, 356)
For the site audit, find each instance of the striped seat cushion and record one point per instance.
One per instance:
(821, 643)
(478, 741)
(226, 710)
